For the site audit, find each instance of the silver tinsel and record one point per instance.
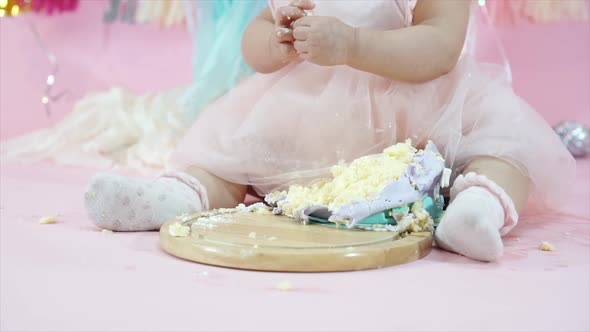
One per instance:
(575, 136)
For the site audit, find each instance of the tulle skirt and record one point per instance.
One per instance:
(108, 130)
(290, 126)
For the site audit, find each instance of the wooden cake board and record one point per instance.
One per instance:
(277, 243)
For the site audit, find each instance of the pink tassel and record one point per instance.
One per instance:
(49, 6)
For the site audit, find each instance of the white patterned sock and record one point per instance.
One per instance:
(471, 225)
(123, 203)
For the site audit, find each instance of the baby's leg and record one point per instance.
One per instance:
(505, 175)
(221, 193)
(132, 204)
(485, 202)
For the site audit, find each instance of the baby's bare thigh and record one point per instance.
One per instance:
(221, 193)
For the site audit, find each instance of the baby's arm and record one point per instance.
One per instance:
(267, 46)
(428, 49)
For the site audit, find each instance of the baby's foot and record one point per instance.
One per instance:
(480, 213)
(471, 225)
(121, 203)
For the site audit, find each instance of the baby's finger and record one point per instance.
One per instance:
(284, 35)
(300, 33)
(303, 4)
(286, 15)
(304, 22)
(301, 46)
(287, 50)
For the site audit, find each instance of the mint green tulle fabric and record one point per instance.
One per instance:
(217, 27)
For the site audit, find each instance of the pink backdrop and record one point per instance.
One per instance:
(550, 64)
(92, 56)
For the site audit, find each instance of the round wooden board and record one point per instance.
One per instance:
(277, 243)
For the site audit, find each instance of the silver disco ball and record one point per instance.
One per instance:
(575, 136)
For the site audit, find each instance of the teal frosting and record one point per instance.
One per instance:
(434, 209)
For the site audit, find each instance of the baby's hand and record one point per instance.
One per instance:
(282, 41)
(286, 15)
(323, 40)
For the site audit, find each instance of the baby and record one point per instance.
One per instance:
(341, 79)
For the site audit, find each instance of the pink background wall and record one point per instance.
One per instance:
(92, 56)
(550, 64)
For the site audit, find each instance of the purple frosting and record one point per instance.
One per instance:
(396, 193)
(420, 180)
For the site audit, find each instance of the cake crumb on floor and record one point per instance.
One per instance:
(284, 285)
(546, 246)
(48, 220)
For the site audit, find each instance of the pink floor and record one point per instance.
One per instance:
(70, 276)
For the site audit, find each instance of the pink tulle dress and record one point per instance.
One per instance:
(292, 125)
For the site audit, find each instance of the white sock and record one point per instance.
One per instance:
(471, 225)
(122, 203)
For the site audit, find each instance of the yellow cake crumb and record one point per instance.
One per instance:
(275, 195)
(48, 220)
(252, 235)
(106, 231)
(358, 180)
(546, 246)
(256, 208)
(262, 211)
(284, 285)
(179, 230)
